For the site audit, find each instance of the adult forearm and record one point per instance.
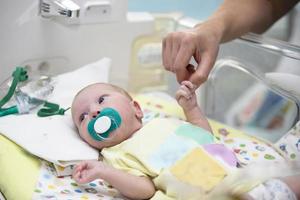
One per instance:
(237, 17)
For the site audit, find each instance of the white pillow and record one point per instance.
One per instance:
(55, 138)
(68, 84)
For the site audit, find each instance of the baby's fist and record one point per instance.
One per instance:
(186, 96)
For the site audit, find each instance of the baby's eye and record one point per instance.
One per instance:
(101, 99)
(82, 116)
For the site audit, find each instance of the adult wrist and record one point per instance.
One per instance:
(214, 27)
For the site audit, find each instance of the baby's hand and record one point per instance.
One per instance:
(186, 96)
(87, 171)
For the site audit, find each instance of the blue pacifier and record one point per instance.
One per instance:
(107, 121)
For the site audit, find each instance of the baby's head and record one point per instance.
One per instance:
(90, 102)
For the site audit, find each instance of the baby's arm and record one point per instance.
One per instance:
(133, 187)
(186, 98)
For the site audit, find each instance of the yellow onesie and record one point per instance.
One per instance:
(183, 160)
(175, 155)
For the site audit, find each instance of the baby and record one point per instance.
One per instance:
(91, 101)
(154, 161)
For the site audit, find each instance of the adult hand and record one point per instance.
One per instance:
(201, 42)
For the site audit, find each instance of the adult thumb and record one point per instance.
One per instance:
(203, 70)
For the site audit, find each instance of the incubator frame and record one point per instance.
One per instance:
(280, 47)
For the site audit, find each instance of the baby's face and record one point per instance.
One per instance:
(89, 103)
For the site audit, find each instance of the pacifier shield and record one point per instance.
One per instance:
(107, 121)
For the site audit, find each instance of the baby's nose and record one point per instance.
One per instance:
(94, 110)
(94, 114)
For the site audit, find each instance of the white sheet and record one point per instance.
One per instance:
(55, 138)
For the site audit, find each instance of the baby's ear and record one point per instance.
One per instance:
(137, 108)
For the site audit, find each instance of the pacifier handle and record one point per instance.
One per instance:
(50, 109)
(102, 124)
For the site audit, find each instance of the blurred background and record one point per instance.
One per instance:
(201, 10)
(198, 9)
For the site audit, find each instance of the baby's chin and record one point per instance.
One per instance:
(109, 142)
(105, 144)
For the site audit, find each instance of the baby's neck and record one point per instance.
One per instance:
(136, 130)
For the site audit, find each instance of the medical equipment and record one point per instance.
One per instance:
(102, 125)
(24, 102)
(19, 75)
(66, 8)
(50, 109)
(73, 12)
(55, 47)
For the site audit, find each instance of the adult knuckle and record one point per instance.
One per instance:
(186, 40)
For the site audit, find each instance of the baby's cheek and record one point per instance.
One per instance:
(83, 133)
(83, 127)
